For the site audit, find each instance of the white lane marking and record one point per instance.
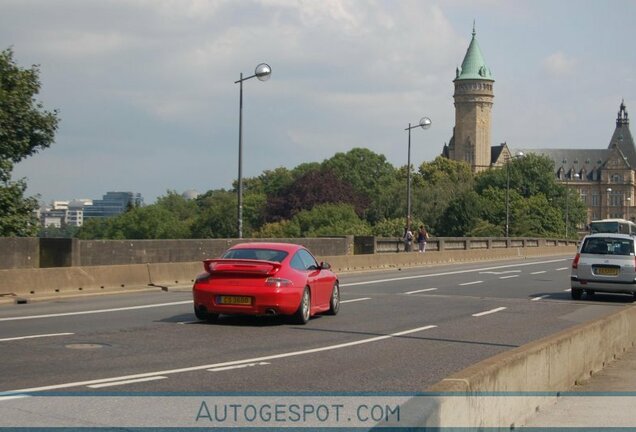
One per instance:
(420, 291)
(538, 272)
(567, 290)
(508, 277)
(355, 300)
(96, 311)
(4, 398)
(189, 322)
(501, 272)
(221, 369)
(216, 365)
(35, 336)
(488, 312)
(132, 381)
(540, 297)
(470, 283)
(562, 268)
(451, 273)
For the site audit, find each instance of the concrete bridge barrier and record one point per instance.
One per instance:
(492, 393)
(36, 283)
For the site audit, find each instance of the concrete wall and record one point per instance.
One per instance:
(46, 253)
(553, 364)
(114, 252)
(31, 283)
(19, 252)
(52, 252)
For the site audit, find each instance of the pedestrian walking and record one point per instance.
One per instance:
(422, 237)
(408, 239)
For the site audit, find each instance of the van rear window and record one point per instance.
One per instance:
(608, 246)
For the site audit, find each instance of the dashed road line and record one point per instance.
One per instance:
(355, 300)
(562, 268)
(241, 366)
(470, 283)
(538, 272)
(35, 336)
(540, 297)
(481, 270)
(421, 291)
(96, 311)
(131, 381)
(162, 373)
(488, 312)
(508, 277)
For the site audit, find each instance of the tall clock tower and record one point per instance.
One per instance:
(473, 104)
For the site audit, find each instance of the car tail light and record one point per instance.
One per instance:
(278, 282)
(575, 262)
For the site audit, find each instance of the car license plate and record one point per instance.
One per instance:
(607, 271)
(234, 300)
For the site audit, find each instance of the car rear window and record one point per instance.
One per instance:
(257, 254)
(608, 246)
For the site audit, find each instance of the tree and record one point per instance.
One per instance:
(314, 187)
(462, 215)
(434, 186)
(217, 215)
(25, 128)
(371, 176)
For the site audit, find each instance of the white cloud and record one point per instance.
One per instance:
(142, 78)
(560, 65)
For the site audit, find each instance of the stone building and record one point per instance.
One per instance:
(474, 97)
(604, 178)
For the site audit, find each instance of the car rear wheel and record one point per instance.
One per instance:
(302, 314)
(204, 315)
(576, 293)
(334, 302)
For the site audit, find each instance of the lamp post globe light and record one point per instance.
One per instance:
(519, 155)
(609, 191)
(263, 72)
(424, 123)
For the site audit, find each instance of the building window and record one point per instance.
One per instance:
(617, 178)
(583, 196)
(615, 199)
(596, 199)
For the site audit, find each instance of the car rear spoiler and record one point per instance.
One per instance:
(242, 266)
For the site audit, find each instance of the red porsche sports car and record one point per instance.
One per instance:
(266, 279)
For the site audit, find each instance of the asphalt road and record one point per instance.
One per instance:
(397, 331)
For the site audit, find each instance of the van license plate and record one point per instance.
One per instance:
(607, 271)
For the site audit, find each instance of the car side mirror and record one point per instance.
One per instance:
(325, 266)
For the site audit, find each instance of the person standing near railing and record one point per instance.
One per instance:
(422, 237)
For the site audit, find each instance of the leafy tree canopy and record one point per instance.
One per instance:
(25, 128)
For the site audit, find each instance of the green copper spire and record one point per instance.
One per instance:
(474, 65)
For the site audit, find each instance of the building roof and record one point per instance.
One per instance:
(581, 161)
(586, 161)
(474, 66)
(622, 137)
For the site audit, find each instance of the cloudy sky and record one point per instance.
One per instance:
(148, 103)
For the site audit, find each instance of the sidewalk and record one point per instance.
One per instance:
(607, 399)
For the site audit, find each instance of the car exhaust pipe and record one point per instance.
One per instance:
(271, 311)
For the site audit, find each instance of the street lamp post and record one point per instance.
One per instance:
(609, 190)
(425, 123)
(629, 202)
(263, 73)
(567, 203)
(517, 156)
